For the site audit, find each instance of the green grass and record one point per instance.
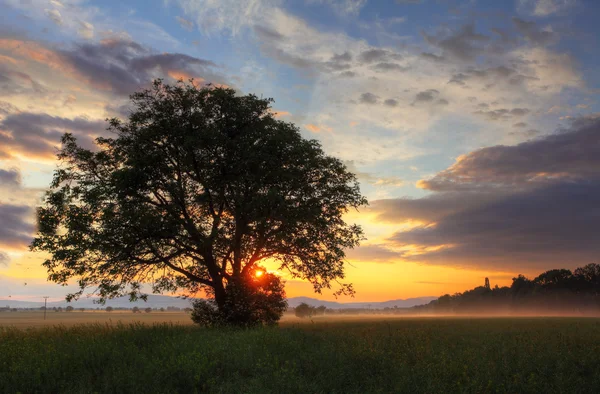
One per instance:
(409, 355)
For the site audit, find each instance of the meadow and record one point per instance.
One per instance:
(403, 355)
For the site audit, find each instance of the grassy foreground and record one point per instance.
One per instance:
(408, 355)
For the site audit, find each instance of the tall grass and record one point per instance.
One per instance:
(416, 355)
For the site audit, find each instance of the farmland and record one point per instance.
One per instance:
(321, 356)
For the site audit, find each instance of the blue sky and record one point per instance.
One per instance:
(452, 113)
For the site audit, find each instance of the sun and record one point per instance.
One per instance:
(258, 273)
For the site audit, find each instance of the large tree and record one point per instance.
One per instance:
(191, 192)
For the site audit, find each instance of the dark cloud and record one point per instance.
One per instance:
(509, 207)
(13, 82)
(386, 66)
(502, 113)
(391, 102)
(552, 225)
(532, 33)
(465, 44)
(567, 155)
(264, 33)
(7, 108)
(38, 134)
(343, 57)
(373, 253)
(125, 66)
(491, 75)
(10, 177)
(432, 57)
(520, 125)
(348, 74)
(442, 102)
(427, 209)
(378, 55)
(4, 259)
(15, 231)
(368, 98)
(426, 96)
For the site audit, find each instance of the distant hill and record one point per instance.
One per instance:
(407, 303)
(154, 301)
(161, 301)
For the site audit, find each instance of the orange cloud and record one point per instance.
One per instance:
(317, 129)
(33, 51)
(185, 76)
(279, 114)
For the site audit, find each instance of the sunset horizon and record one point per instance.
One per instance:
(473, 129)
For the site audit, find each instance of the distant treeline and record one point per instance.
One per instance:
(557, 290)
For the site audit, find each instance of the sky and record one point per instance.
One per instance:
(473, 125)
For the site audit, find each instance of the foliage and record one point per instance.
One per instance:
(192, 192)
(109, 308)
(135, 309)
(256, 300)
(69, 308)
(556, 290)
(148, 310)
(396, 356)
(303, 310)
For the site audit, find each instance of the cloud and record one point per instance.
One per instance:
(568, 155)
(38, 135)
(465, 44)
(185, 23)
(551, 225)
(231, 16)
(86, 30)
(374, 180)
(377, 55)
(15, 231)
(55, 16)
(368, 98)
(391, 102)
(14, 82)
(124, 66)
(342, 7)
(432, 57)
(531, 32)
(426, 96)
(342, 57)
(4, 259)
(503, 113)
(373, 253)
(545, 7)
(10, 177)
(385, 67)
(527, 205)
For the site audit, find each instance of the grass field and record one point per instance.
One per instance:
(435, 355)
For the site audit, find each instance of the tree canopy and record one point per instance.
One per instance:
(191, 192)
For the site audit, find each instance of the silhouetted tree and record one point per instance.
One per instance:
(260, 300)
(69, 308)
(148, 310)
(304, 310)
(135, 309)
(109, 309)
(194, 190)
(553, 290)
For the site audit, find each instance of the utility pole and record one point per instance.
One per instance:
(45, 303)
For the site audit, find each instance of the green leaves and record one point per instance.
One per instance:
(196, 187)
